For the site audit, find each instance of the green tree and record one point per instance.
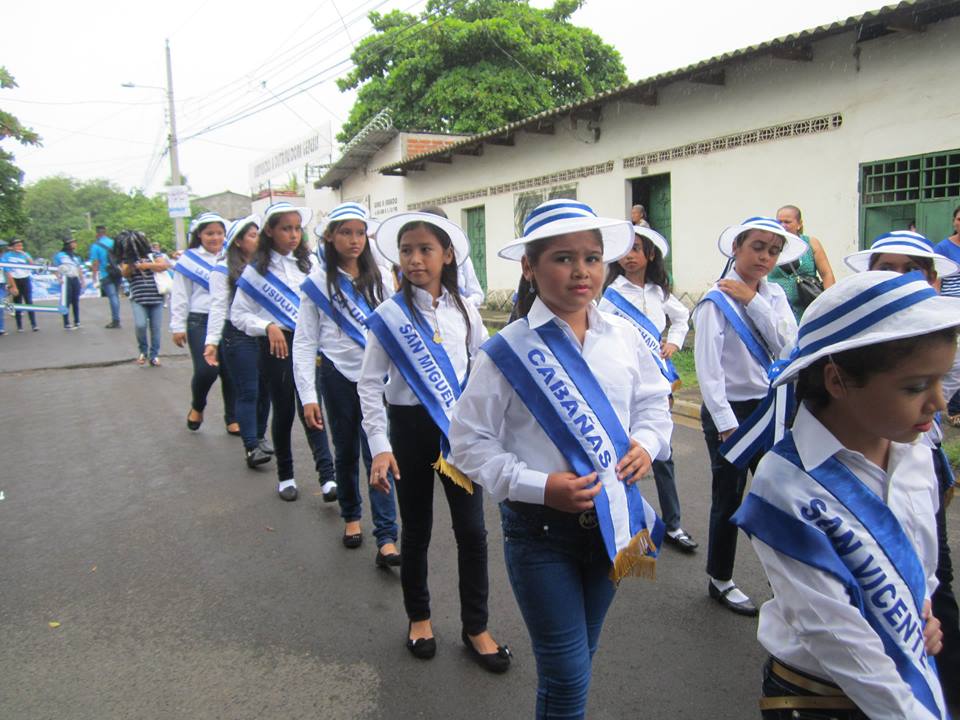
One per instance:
(12, 218)
(466, 66)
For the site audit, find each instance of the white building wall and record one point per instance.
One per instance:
(899, 102)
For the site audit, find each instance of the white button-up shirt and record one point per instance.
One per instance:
(318, 332)
(726, 371)
(249, 316)
(810, 623)
(189, 297)
(657, 306)
(499, 444)
(219, 304)
(377, 364)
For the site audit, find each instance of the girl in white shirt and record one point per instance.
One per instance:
(841, 511)
(742, 325)
(335, 299)
(423, 339)
(189, 309)
(266, 306)
(640, 279)
(565, 410)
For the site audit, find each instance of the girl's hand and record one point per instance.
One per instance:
(932, 634)
(667, 350)
(737, 290)
(210, 355)
(725, 435)
(635, 464)
(278, 343)
(566, 492)
(180, 339)
(382, 464)
(312, 416)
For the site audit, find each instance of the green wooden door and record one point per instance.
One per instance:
(658, 212)
(477, 232)
(935, 219)
(883, 219)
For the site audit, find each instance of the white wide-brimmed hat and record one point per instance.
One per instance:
(659, 241)
(205, 219)
(278, 208)
(793, 247)
(560, 217)
(902, 242)
(239, 225)
(347, 211)
(866, 309)
(387, 240)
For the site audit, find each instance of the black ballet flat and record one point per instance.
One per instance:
(194, 424)
(421, 648)
(498, 662)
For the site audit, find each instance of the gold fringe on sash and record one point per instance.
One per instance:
(634, 561)
(445, 468)
(676, 385)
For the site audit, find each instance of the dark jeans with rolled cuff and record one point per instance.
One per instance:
(24, 297)
(251, 406)
(72, 301)
(204, 374)
(729, 483)
(944, 602)
(286, 404)
(415, 439)
(349, 442)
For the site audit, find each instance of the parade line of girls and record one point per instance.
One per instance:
(569, 405)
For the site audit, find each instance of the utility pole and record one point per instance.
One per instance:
(175, 178)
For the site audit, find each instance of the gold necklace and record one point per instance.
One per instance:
(436, 328)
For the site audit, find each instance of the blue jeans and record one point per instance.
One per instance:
(142, 315)
(72, 298)
(559, 572)
(349, 441)
(109, 289)
(663, 473)
(251, 402)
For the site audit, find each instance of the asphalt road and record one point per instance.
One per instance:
(185, 588)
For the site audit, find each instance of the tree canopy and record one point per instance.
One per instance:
(466, 66)
(60, 206)
(12, 219)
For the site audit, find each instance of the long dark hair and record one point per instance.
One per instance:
(236, 262)
(131, 246)
(261, 257)
(368, 282)
(527, 289)
(448, 276)
(195, 235)
(655, 273)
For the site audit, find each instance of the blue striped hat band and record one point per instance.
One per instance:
(554, 211)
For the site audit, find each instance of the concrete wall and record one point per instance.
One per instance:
(895, 99)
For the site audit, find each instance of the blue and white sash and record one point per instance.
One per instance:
(351, 317)
(550, 376)
(828, 519)
(14, 262)
(757, 349)
(615, 303)
(195, 268)
(426, 368)
(221, 268)
(272, 294)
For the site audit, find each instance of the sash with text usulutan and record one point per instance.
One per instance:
(550, 376)
(426, 368)
(272, 294)
(350, 316)
(613, 302)
(827, 518)
(195, 268)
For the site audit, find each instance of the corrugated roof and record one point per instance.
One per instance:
(362, 146)
(913, 14)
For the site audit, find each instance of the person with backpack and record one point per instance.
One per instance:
(107, 271)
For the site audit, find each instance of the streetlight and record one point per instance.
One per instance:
(175, 177)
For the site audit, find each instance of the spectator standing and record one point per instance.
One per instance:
(68, 267)
(813, 264)
(106, 271)
(18, 281)
(140, 265)
(638, 215)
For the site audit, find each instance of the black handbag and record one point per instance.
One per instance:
(808, 287)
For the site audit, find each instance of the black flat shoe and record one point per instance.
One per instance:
(265, 446)
(741, 608)
(353, 541)
(498, 662)
(194, 424)
(233, 432)
(256, 457)
(682, 540)
(421, 648)
(387, 561)
(330, 494)
(289, 493)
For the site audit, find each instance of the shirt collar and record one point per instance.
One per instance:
(424, 300)
(763, 289)
(540, 315)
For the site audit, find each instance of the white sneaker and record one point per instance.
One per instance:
(287, 489)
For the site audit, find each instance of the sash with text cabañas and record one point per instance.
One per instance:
(550, 376)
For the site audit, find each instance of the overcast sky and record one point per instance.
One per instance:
(70, 59)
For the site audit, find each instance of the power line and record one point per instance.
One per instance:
(80, 102)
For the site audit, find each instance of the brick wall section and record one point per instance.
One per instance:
(418, 146)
